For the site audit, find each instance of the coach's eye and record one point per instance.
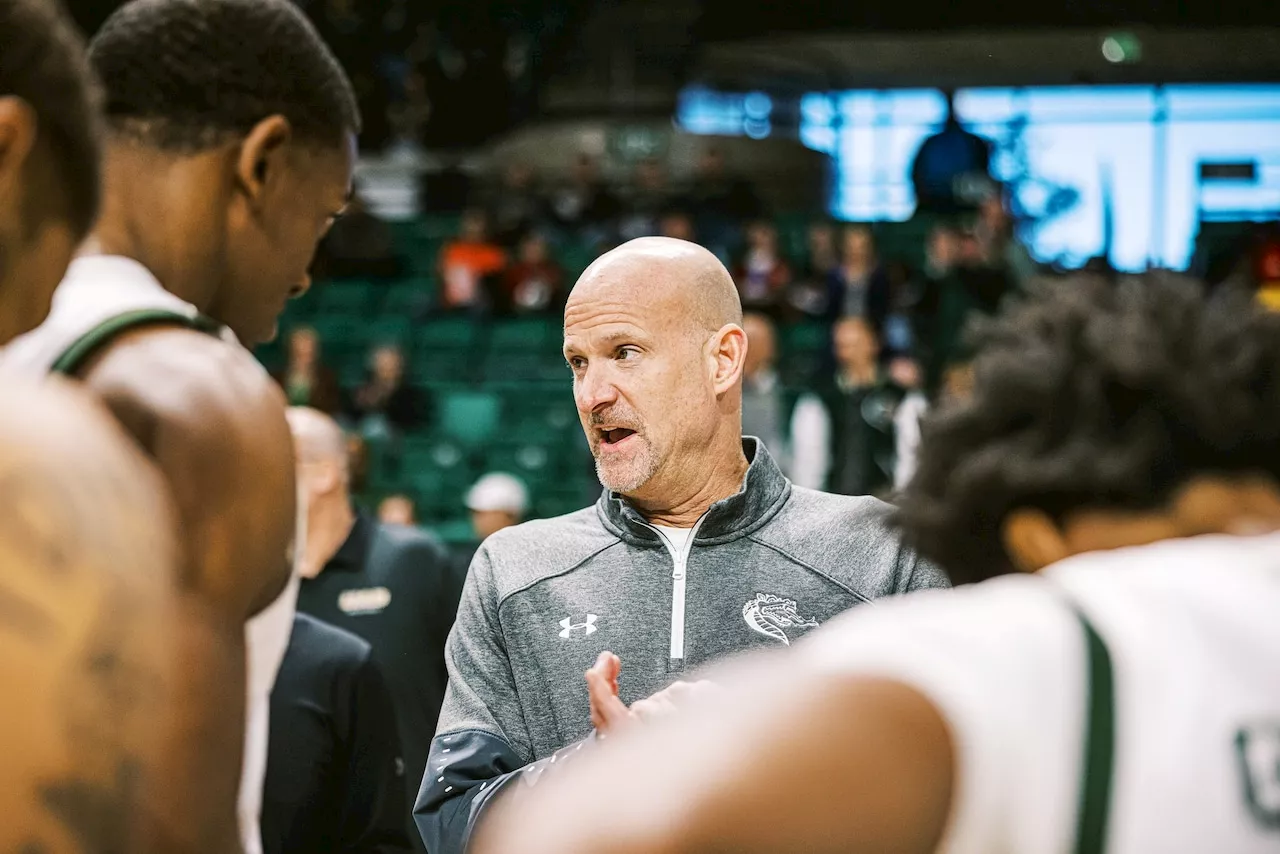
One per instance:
(628, 353)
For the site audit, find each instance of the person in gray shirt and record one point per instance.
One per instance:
(698, 548)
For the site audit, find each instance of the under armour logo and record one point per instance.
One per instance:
(568, 626)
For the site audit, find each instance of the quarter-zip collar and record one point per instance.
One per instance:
(764, 490)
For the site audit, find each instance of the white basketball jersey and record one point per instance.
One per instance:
(1173, 706)
(96, 289)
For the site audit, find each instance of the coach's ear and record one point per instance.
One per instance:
(1032, 540)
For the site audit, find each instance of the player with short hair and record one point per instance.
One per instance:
(50, 153)
(230, 149)
(1119, 443)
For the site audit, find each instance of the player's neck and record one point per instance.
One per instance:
(329, 523)
(150, 203)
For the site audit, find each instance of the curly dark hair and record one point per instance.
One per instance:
(1094, 396)
(42, 62)
(187, 75)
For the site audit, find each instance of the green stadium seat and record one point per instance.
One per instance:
(345, 296)
(390, 330)
(806, 338)
(338, 332)
(527, 335)
(443, 333)
(436, 367)
(405, 298)
(470, 417)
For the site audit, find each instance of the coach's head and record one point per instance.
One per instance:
(231, 146)
(653, 334)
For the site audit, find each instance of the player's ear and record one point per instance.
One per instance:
(1240, 505)
(1032, 540)
(728, 355)
(261, 159)
(17, 136)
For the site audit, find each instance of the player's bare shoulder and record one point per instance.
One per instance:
(214, 422)
(86, 558)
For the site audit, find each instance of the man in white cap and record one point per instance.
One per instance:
(496, 501)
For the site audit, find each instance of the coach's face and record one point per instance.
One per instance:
(289, 193)
(641, 383)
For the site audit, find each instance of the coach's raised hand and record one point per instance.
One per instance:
(608, 712)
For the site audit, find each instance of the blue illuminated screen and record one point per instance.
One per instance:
(1092, 170)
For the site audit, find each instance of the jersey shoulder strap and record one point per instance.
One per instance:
(90, 343)
(1098, 766)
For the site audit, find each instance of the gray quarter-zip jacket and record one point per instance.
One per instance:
(543, 599)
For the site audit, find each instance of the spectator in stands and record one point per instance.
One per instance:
(357, 462)
(584, 206)
(1000, 246)
(496, 501)
(762, 274)
(335, 773)
(535, 283)
(842, 433)
(763, 402)
(721, 203)
(676, 223)
(859, 286)
(469, 263)
(905, 373)
(648, 199)
(515, 205)
(399, 510)
(360, 245)
(394, 586)
(810, 294)
(951, 168)
(305, 378)
(939, 275)
(386, 403)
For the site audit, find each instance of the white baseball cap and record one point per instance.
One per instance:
(498, 491)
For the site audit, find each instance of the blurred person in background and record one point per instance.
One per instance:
(386, 403)
(698, 548)
(392, 585)
(676, 223)
(842, 434)
(515, 206)
(1000, 245)
(721, 203)
(763, 402)
(762, 274)
(859, 286)
(398, 509)
(948, 165)
(809, 296)
(305, 378)
(584, 206)
(496, 501)
(535, 283)
(469, 263)
(335, 775)
(212, 210)
(905, 373)
(1112, 616)
(647, 198)
(360, 245)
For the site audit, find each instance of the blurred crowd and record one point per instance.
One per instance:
(887, 333)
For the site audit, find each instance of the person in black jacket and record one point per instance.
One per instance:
(396, 587)
(386, 397)
(334, 772)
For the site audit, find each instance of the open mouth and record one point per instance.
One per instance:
(615, 435)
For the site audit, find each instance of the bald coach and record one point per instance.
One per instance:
(698, 548)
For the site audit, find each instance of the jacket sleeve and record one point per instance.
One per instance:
(481, 740)
(373, 813)
(916, 573)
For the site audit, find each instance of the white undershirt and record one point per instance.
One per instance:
(679, 537)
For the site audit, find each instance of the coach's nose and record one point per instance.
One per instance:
(301, 287)
(595, 390)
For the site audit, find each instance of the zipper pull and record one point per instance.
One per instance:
(678, 573)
